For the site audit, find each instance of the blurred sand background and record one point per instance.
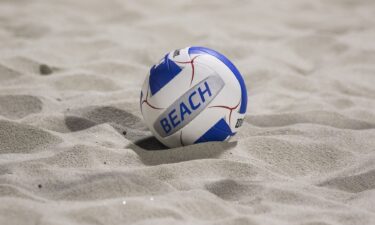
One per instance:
(74, 149)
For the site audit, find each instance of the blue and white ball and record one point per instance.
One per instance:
(193, 95)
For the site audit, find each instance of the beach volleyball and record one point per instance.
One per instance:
(193, 95)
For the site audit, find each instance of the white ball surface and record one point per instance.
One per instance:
(193, 95)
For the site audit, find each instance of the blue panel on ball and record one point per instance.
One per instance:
(162, 74)
(229, 64)
(218, 132)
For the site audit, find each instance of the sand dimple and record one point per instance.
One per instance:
(233, 190)
(19, 106)
(83, 82)
(323, 45)
(114, 184)
(27, 30)
(318, 117)
(7, 73)
(27, 65)
(20, 138)
(353, 183)
(297, 158)
(123, 122)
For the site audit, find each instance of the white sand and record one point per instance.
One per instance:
(306, 154)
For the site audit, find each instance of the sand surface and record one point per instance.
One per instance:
(74, 149)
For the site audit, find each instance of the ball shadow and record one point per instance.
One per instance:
(150, 144)
(151, 153)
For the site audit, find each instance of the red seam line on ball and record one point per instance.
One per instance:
(226, 107)
(146, 101)
(191, 62)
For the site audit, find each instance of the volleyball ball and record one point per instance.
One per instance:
(193, 95)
